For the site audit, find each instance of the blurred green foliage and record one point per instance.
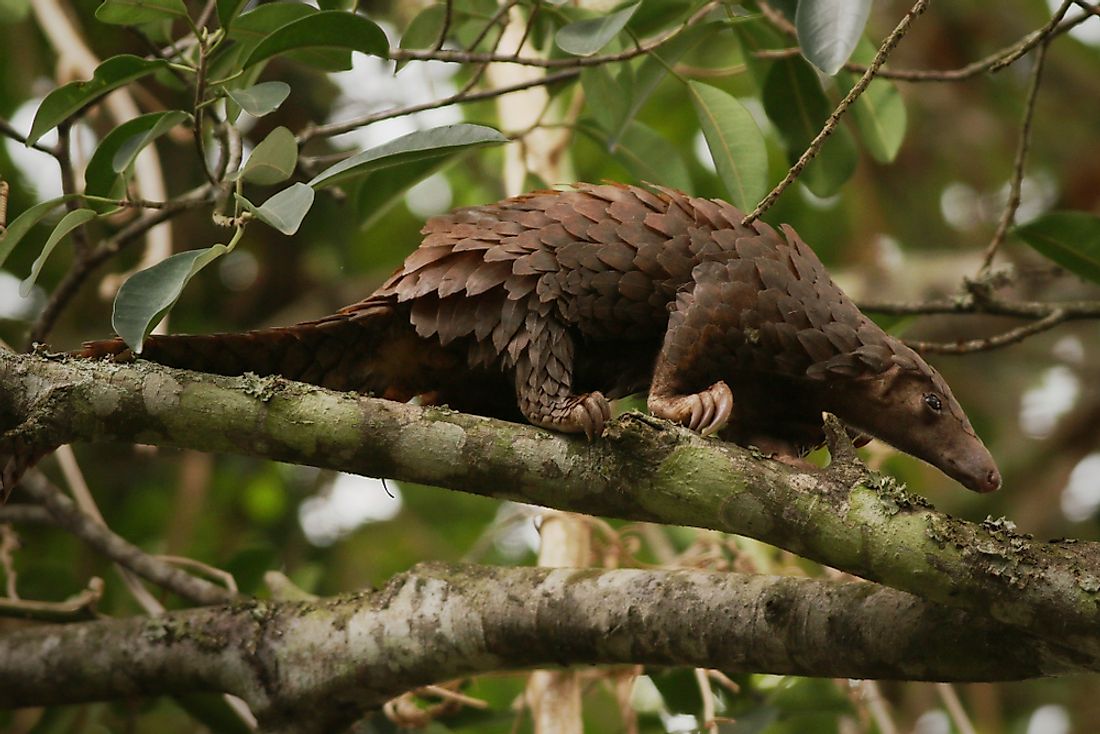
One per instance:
(884, 228)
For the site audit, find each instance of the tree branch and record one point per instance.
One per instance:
(127, 555)
(1012, 336)
(339, 657)
(641, 469)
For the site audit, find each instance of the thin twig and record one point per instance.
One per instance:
(955, 708)
(85, 502)
(571, 70)
(448, 13)
(992, 63)
(501, 11)
(205, 569)
(993, 342)
(119, 550)
(4, 189)
(25, 515)
(8, 131)
(475, 57)
(1073, 310)
(1088, 8)
(705, 692)
(76, 608)
(1008, 216)
(337, 128)
(527, 29)
(9, 544)
(199, 111)
(778, 20)
(877, 707)
(68, 185)
(207, 13)
(831, 123)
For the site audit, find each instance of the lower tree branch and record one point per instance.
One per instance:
(642, 469)
(339, 657)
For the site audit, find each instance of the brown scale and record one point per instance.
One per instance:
(545, 305)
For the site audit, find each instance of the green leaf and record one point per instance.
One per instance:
(879, 113)
(68, 223)
(735, 143)
(273, 160)
(64, 102)
(424, 30)
(604, 96)
(1071, 239)
(285, 210)
(794, 101)
(22, 224)
(255, 25)
(128, 151)
(136, 12)
(148, 294)
(435, 143)
(586, 37)
(649, 156)
(118, 149)
(323, 31)
(652, 71)
(260, 99)
(828, 30)
(228, 10)
(380, 191)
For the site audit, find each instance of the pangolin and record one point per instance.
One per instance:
(545, 306)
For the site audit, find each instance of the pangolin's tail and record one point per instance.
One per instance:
(344, 351)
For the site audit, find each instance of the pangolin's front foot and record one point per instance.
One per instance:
(575, 414)
(704, 412)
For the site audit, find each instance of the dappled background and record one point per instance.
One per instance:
(910, 230)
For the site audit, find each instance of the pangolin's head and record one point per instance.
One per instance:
(910, 406)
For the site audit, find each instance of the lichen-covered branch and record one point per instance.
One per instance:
(338, 657)
(641, 469)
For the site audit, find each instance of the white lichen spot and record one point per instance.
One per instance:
(423, 599)
(551, 455)
(806, 483)
(160, 393)
(105, 401)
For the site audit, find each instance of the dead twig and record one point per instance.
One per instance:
(993, 342)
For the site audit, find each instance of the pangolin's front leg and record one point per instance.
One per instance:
(691, 355)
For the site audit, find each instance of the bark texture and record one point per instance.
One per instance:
(644, 469)
(339, 657)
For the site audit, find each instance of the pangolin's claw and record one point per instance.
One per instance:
(704, 412)
(720, 398)
(591, 412)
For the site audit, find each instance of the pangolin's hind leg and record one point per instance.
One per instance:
(542, 361)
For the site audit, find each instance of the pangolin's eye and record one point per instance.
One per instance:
(932, 400)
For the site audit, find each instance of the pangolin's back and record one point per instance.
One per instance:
(608, 261)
